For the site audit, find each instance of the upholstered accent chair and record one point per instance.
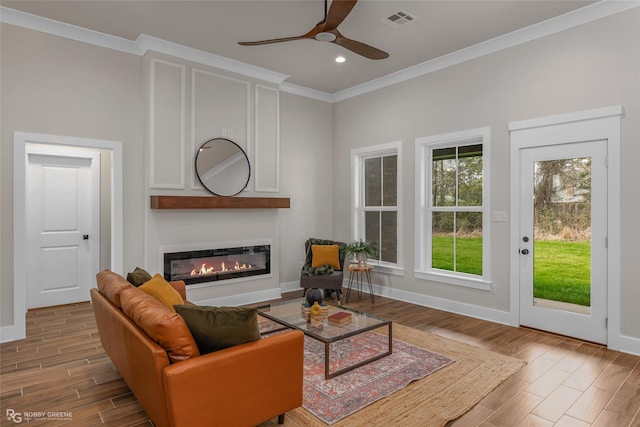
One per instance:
(325, 269)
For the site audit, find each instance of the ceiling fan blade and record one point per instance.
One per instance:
(310, 35)
(359, 47)
(338, 11)
(269, 41)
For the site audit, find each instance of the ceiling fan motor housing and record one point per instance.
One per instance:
(325, 37)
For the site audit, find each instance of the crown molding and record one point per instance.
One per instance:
(569, 20)
(143, 44)
(61, 29)
(295, 89)
(146, 43)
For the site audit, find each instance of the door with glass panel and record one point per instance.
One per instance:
(563, 239)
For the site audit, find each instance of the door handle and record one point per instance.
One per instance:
(85, 237)
(524, 251)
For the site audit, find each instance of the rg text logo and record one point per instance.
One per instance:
(14, 416)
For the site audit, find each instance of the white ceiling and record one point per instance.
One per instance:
(441, 27)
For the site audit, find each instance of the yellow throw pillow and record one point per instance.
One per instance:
(325, 255)
(161, 290)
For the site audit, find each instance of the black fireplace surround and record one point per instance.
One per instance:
(212, 265)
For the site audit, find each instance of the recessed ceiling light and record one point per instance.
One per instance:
(340, 59)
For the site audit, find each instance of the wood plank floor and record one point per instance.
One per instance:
(60, 366)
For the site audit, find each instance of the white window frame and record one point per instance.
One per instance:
(424, 149)
(358, 156)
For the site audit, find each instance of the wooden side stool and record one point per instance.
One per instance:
(357, 271)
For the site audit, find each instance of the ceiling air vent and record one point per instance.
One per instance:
(399, 18)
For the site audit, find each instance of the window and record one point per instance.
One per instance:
(452, 208)
(376, 216)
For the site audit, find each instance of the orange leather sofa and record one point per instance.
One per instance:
(242, 385)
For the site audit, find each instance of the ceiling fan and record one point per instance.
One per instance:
(327, 31)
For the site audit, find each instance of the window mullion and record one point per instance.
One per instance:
(372, 206)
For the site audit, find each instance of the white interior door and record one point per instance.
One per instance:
(62, 216)
(563, 239)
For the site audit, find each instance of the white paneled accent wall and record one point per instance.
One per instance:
(167, 110)
(189, 104)
(267, 139)
(216, 105)
(219, 109)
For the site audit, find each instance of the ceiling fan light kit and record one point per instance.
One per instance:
(327, 31)
(325, 37)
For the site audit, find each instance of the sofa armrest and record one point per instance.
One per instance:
(242, 385)
(180, 286)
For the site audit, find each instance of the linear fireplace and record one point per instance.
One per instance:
(210, 265)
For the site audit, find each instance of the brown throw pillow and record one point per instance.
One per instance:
(215, 328)
(138, 276)
(160, 289)
(165, 327)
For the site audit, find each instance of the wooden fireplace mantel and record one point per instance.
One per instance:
(214, 202)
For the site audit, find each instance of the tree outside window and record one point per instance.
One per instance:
(456, 208)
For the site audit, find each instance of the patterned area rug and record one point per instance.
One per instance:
(333, 399)
(432, 401)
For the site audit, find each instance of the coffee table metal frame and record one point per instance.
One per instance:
(288, 314)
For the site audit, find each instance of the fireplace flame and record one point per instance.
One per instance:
(204, 270)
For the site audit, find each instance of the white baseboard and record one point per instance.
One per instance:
(242, 299)
(622, 343)
(426, 301)
(625, 344)
(490, 314)
(291, 286)
(12, 333)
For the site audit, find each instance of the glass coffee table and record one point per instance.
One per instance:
(289, 314)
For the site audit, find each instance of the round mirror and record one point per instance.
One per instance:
(222, 167)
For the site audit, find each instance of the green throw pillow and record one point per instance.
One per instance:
(138, 276)
(215, 328)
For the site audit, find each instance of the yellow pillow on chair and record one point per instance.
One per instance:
(325, 254)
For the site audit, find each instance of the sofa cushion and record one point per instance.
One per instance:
(138, 276)
(325, 255)
(161, 290)
(111, 286)
(215, 328)
(163, 326)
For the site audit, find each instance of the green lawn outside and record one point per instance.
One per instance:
(562, 270)
(469, 252)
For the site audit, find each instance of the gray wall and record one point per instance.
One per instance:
(56, 86)
(307, 171)
(591, 66)
(53, 85)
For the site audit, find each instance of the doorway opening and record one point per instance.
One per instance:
(565, 231)
(21, 140)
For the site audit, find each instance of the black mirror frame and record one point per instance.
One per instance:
(241, 150)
